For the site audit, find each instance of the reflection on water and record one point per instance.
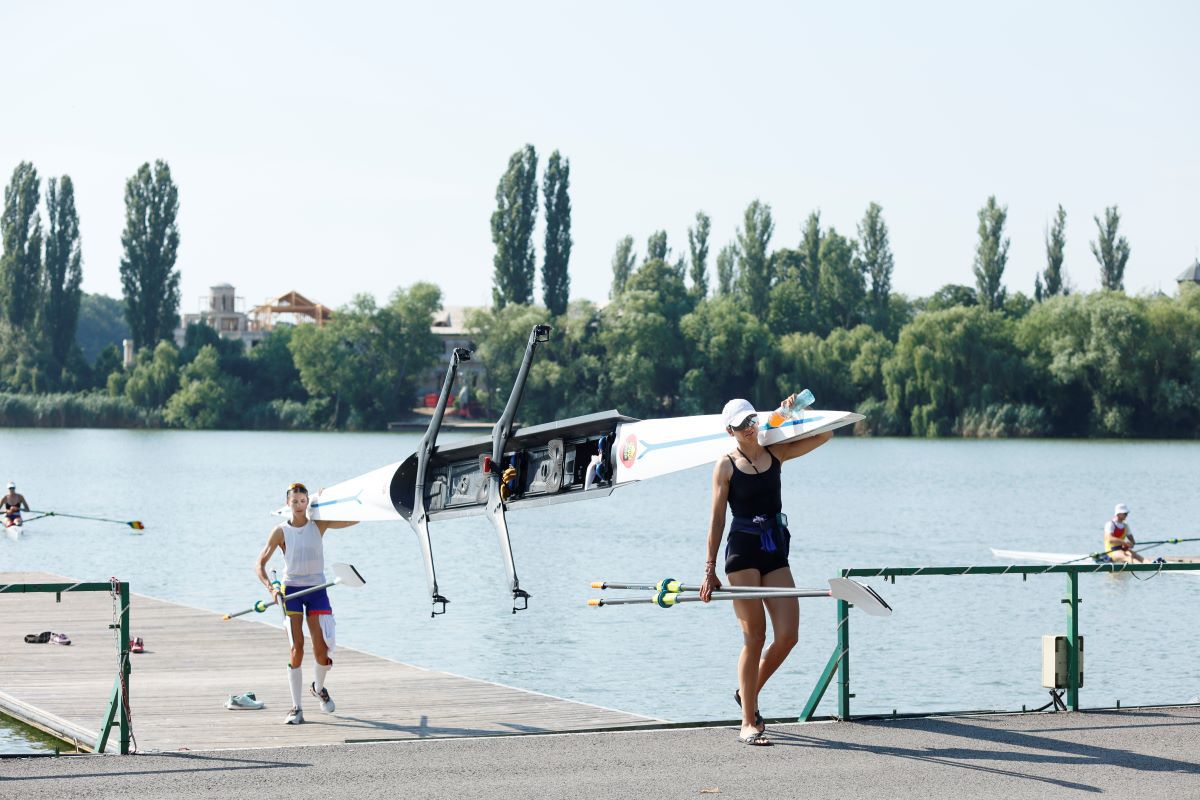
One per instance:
(953, 643)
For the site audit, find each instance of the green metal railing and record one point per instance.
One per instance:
(118, 703)
(839, 661)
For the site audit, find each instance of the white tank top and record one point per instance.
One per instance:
(303, 555)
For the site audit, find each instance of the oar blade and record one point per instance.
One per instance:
(136, 525)
(347, 575)
(863, 597)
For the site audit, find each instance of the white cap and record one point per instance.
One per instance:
(736, 411)
(11, 485)
(1121, 509)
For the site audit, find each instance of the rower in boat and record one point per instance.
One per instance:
(1118, 537)
(13, 504)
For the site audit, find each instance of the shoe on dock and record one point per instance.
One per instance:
(138, 646)
(59, 638)
(37, 638)
(294, 717)
(326, 701)
(247, 700)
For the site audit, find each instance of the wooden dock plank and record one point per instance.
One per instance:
(194, 661)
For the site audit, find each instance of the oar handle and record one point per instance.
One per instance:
(262, 605)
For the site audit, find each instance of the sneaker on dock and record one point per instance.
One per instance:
(294, 717)
(326, 701)
(59, 638)
(244, 701)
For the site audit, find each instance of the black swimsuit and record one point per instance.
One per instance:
(757, 539)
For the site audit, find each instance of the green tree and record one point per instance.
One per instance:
(1111, 250)
(512, 230)
(622, 265)
(877, 262)
(21, 261)
(154, 376)
(698, 249)
(949, 362)
(656, 247)
(1056, 242)
(368, 360)
(64, 269)
(149, 280)
(842, 370)
(727, 344)
(727, 274)
(273, 373)
(991, 255)
(101, 324)
(790, 307)
(841, 288)
(810, 245)
(207, 397)
(754, 262)
(949, 296)
(556, 282)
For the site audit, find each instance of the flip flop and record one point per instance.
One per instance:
(37, 638)
(756, 740)
(758, 717)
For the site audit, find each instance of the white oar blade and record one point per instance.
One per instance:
(347, 575)
(863, 597)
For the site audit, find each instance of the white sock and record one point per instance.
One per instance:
(295, 680)
(322, 671)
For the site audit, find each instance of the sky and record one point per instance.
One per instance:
(341, 148)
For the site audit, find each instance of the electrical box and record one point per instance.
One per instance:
(1054, 662)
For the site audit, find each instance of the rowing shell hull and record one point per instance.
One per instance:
(1079, 558)
(554, 463)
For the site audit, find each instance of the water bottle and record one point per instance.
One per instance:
(782, 414)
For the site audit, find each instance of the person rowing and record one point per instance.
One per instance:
(1118, 537)
(300, 539)
(13, 504)
(756, 554)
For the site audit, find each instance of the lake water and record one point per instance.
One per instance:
(954, 642)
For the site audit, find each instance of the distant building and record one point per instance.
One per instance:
(449, 325)
(225, 312)
(1190, 275)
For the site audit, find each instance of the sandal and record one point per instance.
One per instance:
(37, 638)
(758, 717)
(756, 740)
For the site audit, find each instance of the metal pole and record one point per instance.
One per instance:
(1073, 642)
(843, 617)
(125, 701)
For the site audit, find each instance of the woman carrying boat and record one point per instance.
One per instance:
(748, 480)
(300, 539)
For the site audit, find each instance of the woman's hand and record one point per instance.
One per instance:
(710, 584)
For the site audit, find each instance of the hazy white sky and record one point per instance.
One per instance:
(338, 148)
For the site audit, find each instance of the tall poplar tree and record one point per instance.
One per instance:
(991, 255)
(656, 247)
(556, 281)
(21, 261)
(727, 259)
(64, 269)
(877, 262)
(1056, 242)
(698, 247)
(754, 266)
(622, 266)
(1111, 250)
(512, 230)
(149, 280)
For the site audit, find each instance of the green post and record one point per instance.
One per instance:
(843, 616)
(124, 648)
(1073, 642)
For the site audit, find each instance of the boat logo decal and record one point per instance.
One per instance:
(629, 451)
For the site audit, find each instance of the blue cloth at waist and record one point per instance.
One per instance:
(764, 524)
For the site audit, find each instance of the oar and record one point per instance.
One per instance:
(344, 574)
(1138, 546)
(672, 585)
(864, 597)
(135, 524)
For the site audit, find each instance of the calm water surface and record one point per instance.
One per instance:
(954, 643)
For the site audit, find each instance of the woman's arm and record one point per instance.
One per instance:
(722, 471)
(275, 540)
(325, 524)
(785, 451)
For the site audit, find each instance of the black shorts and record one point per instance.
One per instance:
(744, 550)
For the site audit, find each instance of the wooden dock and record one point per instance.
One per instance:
(194, 661)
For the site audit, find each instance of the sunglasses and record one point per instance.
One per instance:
(297, 487)
(750, 421)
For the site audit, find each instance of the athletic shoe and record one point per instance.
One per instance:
(326, 701)
(238, 702)
(137, 646)
(294, 717)
(59, 638)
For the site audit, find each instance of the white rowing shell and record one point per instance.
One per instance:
(364, 498)
(1074, 558)
(654, 447)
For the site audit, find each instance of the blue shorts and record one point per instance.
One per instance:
(310, 604)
